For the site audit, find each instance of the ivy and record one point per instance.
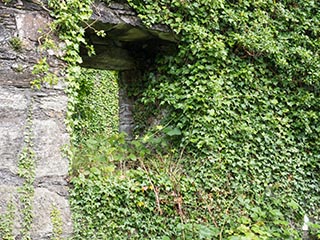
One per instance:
(237, 153)
(246, 82)
(70, 21)
(7, 222)
(26, 170)
(96, 110)
(56, 220)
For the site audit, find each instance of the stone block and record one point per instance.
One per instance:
(43, 204)
(13, 115)
(9, 195)
(48, 141)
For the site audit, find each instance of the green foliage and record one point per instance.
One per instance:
(315, 229)
(239, 156)
(26, 170)
(142, 193)
(124, 197)
(244, 89)
(71, 20)
(56, 221)
(96, 108)
(16, 43)
(6, 1)
(41, 71)
(6, 222)
(95, 117)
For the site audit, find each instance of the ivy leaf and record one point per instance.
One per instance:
(172, 132)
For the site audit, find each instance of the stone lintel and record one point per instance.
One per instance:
(115, 16)
(109, 57)
(128, 44)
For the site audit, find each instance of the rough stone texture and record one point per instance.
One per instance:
(13, 114)
(49, 136)
(126, 121)
(109, 56)
(8, 178)
(122, 23)
(9, 194)
(44, 202)
(49, 133)
(21, 20)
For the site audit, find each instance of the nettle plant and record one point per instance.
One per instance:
(238, 153)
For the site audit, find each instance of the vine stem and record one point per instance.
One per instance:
(155, 189)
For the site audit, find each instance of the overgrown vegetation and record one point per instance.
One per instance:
(95, 117)
(96, 111)
(56, 220)
(244, 89)
(7, 221)
(237, 155)
(26, 170)
(16, 43)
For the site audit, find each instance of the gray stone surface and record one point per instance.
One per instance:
(49, 140)
(21, 20)
(56, 184)
(50, 134)
(109, 56)
(13, 115)
(122, 23)
(126, 121)
(8, 178)
(9, 195)
(16, 64)
(44, 202)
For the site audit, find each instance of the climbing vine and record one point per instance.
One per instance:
(96, 111)
(56, 220)
(71, 20)
(7, 222)
(26, 170)
(239, 145)
(246, 83)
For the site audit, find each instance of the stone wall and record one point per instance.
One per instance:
(32, 121)
(127, 80)
(39, 113)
